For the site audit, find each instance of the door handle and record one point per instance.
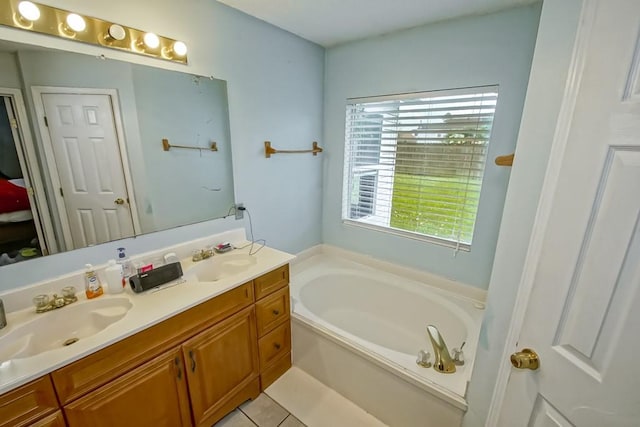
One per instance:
(119, 201)
(177, 362)
(525, 359)
(193, 361)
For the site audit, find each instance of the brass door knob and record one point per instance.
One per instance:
(119, 201)
(525, 359)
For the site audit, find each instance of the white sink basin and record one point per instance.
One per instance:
(221, 266)
(64, 326)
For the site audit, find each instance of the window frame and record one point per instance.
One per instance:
(348, 176)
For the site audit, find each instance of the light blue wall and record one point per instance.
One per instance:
(181, 182)
(275, 93)
(9, 76)
(549, 76)
(474, 51)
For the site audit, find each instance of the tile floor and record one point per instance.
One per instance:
(315, 404)
(261, 412)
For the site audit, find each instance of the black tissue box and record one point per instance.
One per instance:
(156, 277)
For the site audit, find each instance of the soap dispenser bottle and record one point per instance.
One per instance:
(114, 277)
(92, 285)
(127, 266)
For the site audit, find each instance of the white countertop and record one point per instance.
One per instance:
(149, 308)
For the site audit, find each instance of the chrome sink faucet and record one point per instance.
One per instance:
(46, 303)
(443, 362)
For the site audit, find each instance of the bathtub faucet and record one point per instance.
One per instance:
(443, 362)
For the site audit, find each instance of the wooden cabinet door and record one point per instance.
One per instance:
(26, 404)
(221, 363)
(154, 394)
(54, 420)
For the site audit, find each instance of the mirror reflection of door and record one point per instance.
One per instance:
(86, 158)
(21, 234)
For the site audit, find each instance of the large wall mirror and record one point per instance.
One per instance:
(82, 160)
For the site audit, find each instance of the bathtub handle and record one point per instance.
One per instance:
(276, 312)
(276, 345)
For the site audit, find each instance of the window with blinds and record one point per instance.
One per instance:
(414, 162)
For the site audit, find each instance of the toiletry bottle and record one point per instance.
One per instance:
(114, 277)
(92, 286)
(123, 260)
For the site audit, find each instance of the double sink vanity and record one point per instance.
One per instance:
(184, 355)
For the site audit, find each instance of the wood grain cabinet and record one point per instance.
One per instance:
(154, 394)
(274, 324)
(54, 420)
(191, 369)
(28, 404)
(222, 367)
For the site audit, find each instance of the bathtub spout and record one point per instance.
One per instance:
(443, 362)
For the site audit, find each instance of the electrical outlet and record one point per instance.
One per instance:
(239, 213)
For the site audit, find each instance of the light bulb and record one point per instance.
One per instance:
(151, 40)
(179, 48)
(116, 32)
(76, 22)
(29, 11)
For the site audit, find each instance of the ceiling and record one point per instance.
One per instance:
(331, 22)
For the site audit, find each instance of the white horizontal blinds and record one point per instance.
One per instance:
(414, 162)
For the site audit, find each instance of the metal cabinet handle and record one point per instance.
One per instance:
(276, 345)
(193, 361)
(177, 361)
(276, 312)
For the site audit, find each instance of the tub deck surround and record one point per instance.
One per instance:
(434, 282)
(148, 308)
(381, 317)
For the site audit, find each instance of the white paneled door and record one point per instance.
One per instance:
(93, 190)
(583, 313)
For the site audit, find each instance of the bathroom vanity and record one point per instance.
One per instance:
(190, 368)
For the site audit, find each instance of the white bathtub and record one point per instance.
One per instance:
(358, 329)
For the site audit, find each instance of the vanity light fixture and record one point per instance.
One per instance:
(178, 50)
(76, 23)
(115, 33)
(29, 11)
(26, 15)
(151, 41)
(73, 25)
(147, 43)
(41, 18)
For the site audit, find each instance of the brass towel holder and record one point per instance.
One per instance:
(268, 150)
(166, 146)
(505, 160)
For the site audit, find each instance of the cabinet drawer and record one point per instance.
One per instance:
(54, 420)
(27, 404)
(272, 281)
(97, 369)
(272, 310)
(274, 345)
